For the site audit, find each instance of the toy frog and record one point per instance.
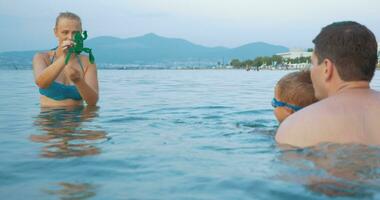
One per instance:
(78, 47)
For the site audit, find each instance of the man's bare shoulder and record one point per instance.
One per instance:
(303, 128)
(349, 117)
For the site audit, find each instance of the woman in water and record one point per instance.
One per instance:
(60, 84)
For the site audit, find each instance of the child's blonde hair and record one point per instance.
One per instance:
(296, 88)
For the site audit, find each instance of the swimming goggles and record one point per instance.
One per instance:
(276, 103)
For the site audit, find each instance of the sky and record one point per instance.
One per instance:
(28, 24)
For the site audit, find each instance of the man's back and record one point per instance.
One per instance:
(350, 116)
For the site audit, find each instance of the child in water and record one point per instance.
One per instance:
(292, 92)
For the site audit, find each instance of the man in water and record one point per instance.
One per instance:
(343, 64)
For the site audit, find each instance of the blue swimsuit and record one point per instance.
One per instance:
(59, 91)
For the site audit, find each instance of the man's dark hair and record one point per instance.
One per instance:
(352, 47)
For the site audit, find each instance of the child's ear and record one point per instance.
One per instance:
(289, 111)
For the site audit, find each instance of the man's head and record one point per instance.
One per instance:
(344, 51)
(293, 90)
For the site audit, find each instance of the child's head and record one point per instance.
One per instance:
(292, 92)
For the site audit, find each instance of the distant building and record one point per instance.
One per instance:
(295, 53)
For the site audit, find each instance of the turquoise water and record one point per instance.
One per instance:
(169, 134)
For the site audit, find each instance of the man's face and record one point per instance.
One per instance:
(316, 72)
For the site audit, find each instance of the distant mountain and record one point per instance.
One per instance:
(152, 49)
(16, 59)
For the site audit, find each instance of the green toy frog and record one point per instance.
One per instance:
(78, 47)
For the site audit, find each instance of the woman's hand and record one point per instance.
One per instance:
(65, 46)
(73, 73)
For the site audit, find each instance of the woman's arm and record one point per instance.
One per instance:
(88, 86)
(44, 75)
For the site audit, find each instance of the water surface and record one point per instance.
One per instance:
(169, 134)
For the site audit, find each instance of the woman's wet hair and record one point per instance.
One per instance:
(67, 15)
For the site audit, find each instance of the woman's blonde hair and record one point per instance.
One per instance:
(67, 15)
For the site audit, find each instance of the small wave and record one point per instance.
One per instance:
(126, 119)
(259, 123)
(253, 112)
(184, 109)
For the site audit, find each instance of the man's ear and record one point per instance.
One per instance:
(328, 69)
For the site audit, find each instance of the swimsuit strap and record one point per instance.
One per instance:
(80, 63)
(78, 58)
(55, 52)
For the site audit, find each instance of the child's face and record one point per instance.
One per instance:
(281, 113)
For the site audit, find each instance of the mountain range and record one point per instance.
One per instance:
(152, 49)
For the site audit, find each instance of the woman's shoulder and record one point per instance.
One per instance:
(86, 60)
(43, 55)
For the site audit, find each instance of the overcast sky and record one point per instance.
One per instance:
(28, 24)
